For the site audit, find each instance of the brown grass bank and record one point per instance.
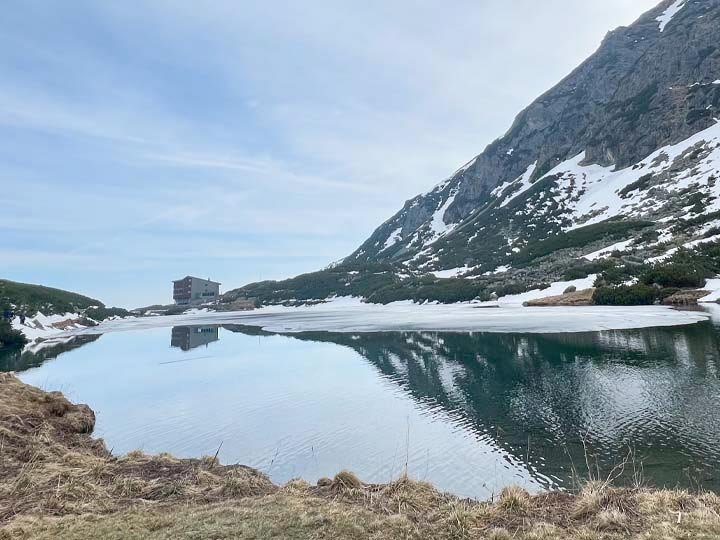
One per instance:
(575, 298)
(57, 482)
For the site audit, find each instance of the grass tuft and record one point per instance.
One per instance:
(514, 498)
(345, 480)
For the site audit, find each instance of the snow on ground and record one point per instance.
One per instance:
(606, 252)
(451, 273)
(700, 241)
(351, 315)
(498, 270)
(688, 245)
(664, 257)
(555, 289)
(591, 193)
(437, 222)
(712, 285)
(669, 13)
(195, 311)
(45, 326)
(393, 238)
(524, 182)
(46, 330)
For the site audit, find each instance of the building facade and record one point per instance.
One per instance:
(192, 290)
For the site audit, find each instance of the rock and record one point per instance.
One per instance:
(685, 298)
(579, 298)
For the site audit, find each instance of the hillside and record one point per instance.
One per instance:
(615, 168)
(37, 298)
(48, 312)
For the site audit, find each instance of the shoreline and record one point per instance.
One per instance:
(57, 481)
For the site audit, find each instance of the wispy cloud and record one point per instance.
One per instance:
(275, 135)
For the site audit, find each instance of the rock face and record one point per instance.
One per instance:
(631, 136)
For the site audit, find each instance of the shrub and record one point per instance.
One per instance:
(626, 295)
(577, 238)
(582, 271)
(676, 274)
(640, 184)
(9, 336)
(102, 313)
(617, 275)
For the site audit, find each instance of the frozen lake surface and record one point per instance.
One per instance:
(351, 315)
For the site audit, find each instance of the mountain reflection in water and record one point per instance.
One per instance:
(545, 404)
(650, 396)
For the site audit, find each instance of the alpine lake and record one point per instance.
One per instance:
(470, 412)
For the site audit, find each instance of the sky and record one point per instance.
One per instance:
(142, 141)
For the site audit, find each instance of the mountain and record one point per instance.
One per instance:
(618, 165)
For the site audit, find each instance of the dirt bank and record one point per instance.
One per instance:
(56, 481)
(575, 298)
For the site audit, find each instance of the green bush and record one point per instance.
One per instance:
(582, 271)
(10, 337)
(676, 274)
(102, 313)
(576, 238)
(639, 185)
(626, 295)
(617, 275)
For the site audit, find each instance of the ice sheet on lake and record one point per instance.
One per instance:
(351, 315)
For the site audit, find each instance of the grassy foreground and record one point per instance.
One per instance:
(57, 482)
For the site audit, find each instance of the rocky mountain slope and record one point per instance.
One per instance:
(632, 133)
(620, 160)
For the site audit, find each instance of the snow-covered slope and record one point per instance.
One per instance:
(633, 134)
(617, 165)
(43, 330)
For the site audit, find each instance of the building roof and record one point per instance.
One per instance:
(199, 278)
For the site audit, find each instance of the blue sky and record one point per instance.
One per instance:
(143, 141)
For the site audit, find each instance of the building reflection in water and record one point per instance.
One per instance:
(190, 337)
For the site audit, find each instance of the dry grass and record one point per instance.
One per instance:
(58, 482)
(578, 298)
(49, 464)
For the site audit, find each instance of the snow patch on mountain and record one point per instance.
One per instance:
(43, 327)
(669, 13)
(438, 227)
(606, 252)
(499, 270)
(393, 239)
(451, 273)
(593, 193)
(523, 182)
